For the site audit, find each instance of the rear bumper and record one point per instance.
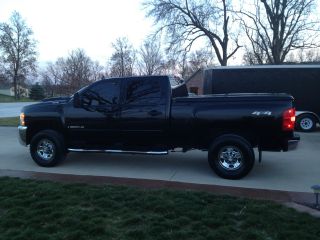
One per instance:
(293, 142)
(23, 135)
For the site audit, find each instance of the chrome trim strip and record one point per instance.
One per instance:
(118, 151)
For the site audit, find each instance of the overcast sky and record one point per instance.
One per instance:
(62, 25)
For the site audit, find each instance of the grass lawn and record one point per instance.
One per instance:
(9, 121)
(44, 210)
(5, 98)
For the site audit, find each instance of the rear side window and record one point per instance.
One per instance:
(103, 93)
(143, 91)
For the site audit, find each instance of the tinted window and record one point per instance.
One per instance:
(104, 93)
(143, 91)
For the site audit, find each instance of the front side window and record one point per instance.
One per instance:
(143, 91)
(105, 93)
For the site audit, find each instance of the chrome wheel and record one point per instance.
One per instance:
(46, 149)
(230, 158)
(306, 123)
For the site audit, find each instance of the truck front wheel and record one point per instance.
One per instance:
(47, 148)
(231, 156)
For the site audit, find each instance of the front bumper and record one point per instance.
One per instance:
(23, 135)
(293, 142)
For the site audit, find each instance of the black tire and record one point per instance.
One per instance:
(239, 163)
(47, 148)
(306, 123)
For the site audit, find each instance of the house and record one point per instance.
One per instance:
(9, 91)
(195, 82)
(5, 91)
(24, 92)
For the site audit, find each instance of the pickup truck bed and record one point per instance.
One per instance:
(258, 117)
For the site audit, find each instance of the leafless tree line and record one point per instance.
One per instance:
(267, 31)
(68, 74)
(273, 28)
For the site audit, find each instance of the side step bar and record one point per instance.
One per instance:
(118, 151)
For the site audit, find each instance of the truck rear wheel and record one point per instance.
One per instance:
(306, 123)
(47, 148)
(231, 156)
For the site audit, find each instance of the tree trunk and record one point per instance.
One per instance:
(15, 86)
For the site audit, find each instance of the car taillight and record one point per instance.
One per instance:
(288, 119)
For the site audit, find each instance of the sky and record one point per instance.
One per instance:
(60, 26)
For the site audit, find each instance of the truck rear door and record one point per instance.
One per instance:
(143, 118)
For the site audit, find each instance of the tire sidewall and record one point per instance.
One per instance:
(59, 149)
(245, 149)
(311, 118)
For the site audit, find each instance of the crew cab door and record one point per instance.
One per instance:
(94, 123)
(144, 111)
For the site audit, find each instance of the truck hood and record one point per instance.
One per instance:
(44, 108)
(57, 99)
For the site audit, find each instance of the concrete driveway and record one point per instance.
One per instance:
(291, 171)
(12, 109)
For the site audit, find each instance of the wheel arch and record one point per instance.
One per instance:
(251, 138)
(36, 127)
(301, 113)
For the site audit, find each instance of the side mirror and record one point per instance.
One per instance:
(76, 100)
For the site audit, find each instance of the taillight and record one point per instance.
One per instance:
(288, 119)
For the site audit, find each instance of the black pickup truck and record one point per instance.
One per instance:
(155, 114)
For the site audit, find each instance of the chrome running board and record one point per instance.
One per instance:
(118, 151)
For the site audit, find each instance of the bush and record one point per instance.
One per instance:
(37, 92)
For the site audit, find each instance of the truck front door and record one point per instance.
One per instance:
(94, 124)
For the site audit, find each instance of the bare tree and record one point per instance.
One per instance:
(170, 66)
(18, 49)
(69, 74)
(275, 27)
(186, 21)
(305, 56)
(4, 81)
(123, 59)
(255, 55)
(150, 57)
(97, 72)
(77, 69)
(188, 63)
(312, 56)
(201, 58)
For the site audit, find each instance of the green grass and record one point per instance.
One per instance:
(5, 98)
(44, 210)
(9, 121)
